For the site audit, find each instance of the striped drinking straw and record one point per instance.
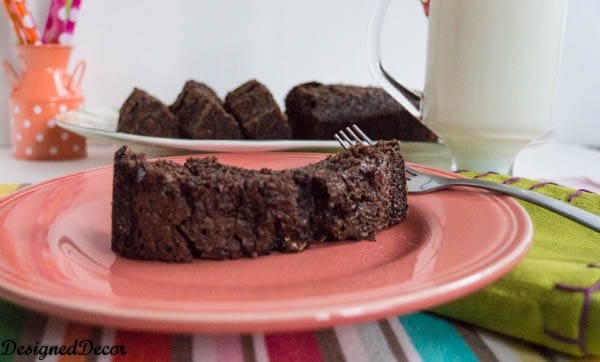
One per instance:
(13, 19)
(10, 12)
(25, 22)
(60, 24)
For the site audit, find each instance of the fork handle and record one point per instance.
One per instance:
(581, 216)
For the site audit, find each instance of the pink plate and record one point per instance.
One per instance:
(55, 258)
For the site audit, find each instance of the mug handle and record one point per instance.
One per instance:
(409, 99)
(11, 73)
(78, 73)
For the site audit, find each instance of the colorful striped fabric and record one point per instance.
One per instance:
(29, 336)
(415, 337)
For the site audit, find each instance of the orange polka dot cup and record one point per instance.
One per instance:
(43, 89)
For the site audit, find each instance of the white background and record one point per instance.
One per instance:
(157, 45)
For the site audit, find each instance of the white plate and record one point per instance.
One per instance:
(100, 123)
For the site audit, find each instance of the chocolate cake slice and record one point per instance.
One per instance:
(317, 111)
(253, 105)
(201, 115)
(145, 115)
(203, 209)
(199, 87)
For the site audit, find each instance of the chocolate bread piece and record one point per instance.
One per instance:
(216, 211)
(203, 209)
(199, 87)
(253, 105)
(201, 115)
(145, 115)
(148, 207)
(317, 111)
(355, 192)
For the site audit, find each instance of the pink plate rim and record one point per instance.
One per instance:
(379, 303)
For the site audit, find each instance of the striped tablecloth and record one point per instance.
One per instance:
(29, 336)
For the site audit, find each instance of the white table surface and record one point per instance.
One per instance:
(553, 161)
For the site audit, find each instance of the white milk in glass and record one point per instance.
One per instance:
(491, 78)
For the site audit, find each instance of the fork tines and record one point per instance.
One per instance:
(356, 136)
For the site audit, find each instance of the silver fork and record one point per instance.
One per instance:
(421, 182)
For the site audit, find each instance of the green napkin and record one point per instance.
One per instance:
(552, 297)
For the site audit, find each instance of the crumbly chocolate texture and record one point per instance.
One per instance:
(203, 209)
(239, 212)
(202, 88)
(145, 115)
(318, 111)
(201, 115)
(148, 207)
(259, 116)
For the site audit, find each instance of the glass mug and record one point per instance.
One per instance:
(490, 79)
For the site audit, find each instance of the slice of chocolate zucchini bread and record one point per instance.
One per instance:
(318, 111)
(201, 115)
(204, 209)
(145, 115)
(260, 117)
